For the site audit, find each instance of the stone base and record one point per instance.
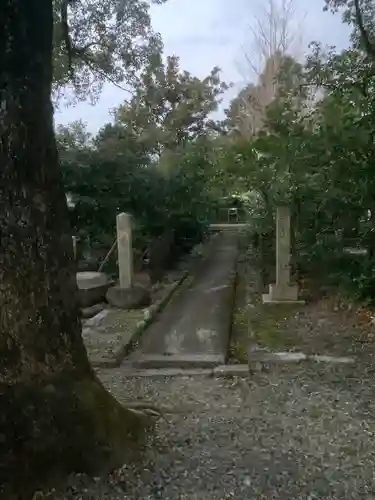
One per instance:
(92, 287)
(135, 297)
(282, 294)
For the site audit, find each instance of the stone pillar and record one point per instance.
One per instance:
(283, 290)
(125, 250)
(127, 294)
(74, 239)
(282, 246)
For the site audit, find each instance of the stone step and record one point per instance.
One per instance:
(177, 361)
(238, 370)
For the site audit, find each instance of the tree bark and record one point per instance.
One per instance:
(371, 238)
(55, 415)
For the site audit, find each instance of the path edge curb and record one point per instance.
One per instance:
(270, 357)
(231, 370)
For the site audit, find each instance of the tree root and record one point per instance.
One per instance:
(48, 431)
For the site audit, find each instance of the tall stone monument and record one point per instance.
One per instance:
(283, 290)
(127, 294)
(74, 241)
(125, 249)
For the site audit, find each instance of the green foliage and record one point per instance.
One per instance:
(113, 174)
(109, 40)
(155, 161)
(315, 151)
(171, 107)
(302, 135)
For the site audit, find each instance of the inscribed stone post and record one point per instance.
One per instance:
(125, 249)
(283, 246)
(283, 290)
(74, 240)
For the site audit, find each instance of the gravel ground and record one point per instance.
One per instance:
(297, 432)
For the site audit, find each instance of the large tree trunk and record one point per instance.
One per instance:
(54, 414)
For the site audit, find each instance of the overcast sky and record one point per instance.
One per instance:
(207, 33)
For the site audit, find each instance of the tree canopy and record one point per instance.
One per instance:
(315, 146)
(101, 40)
(301, 133)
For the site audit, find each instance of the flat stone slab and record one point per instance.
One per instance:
(231, 370)
(91, 279)
(166, 372)
(269, 357)
(278, 292)
(181, 361)
(268, 299)
(332, 359)
(92, 287)
(294, 357)
(219, 371)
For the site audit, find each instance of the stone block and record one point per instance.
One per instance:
(165, 372)
(274, 357)
(91, 279)
(289, 357)
(231, 371)
(186, 361)
(282, 294)
(332, 359)
(135, 297)
(92, 287)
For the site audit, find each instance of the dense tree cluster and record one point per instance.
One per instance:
(302, 134)
(153, 161)
(315, 149)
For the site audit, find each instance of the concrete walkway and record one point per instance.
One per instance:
(193, 331)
